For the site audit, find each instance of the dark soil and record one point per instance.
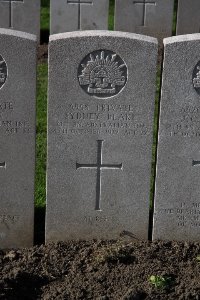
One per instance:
(101, 270)
(42, 53)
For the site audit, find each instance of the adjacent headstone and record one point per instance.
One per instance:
(188, 17)
(22, 15)
(71, 15)
(177, 195)
(100, 120)
(149, 17)
(17, 131)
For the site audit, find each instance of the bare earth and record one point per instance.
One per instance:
(101, 270)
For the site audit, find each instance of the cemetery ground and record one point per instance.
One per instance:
(125, 269)
(102, 270)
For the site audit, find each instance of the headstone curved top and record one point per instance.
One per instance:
(177, 195)
(100, 120)
(23, 15)
(17, 131)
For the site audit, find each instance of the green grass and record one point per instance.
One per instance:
(44, 18)
(41, 149)
(111, 15)
(161, 282)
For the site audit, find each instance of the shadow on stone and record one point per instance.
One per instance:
(39, 230)
(44, 36)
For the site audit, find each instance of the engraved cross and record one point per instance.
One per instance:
(3, 165)
(195, 163)
(99, 166)
(144, 3)
(10, 10)
(79, 3)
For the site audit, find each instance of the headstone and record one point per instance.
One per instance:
(17, 131)
(177, 195)
(101, 106)
(188, 17)
(149, 17)
(72, 15)
(22, 15)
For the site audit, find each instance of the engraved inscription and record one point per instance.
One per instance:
(185, 122)
(95, 219)
(184, 215)
(99, 166)
(9, 220)
(6, 106)
(3, 71)
(102, 73)
(107, 119)
(196, 78)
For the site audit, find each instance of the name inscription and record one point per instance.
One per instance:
(186, 122)
(184, 216)
(111, 119)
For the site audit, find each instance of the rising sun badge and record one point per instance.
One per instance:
(3, 72)
(196, 78)
(102, 73)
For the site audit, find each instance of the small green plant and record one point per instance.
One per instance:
(198, 258)
(113, 254)
(160, 281)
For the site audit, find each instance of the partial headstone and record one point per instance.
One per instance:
(100, 121)
(17, 131)
(149, 17)
(72, 15)
(22, 15)
(177, 195)
(188, 17)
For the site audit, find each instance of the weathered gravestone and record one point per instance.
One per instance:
(17, 132)
(188, 16)
(23, 15)
(149, 17)
(101, 105)
(71, 15)
(177, 197)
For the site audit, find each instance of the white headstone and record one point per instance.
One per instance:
(17, 131)
(177, 195)
(22, 15)
(100, 119)
(188, 20)
(149, 17)
(72, 15)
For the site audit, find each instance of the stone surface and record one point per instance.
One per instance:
(22, 15)
(17, 131)
(71, 15)
(177, 196)
(153, 18)
(100, 119)
(188, 17)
